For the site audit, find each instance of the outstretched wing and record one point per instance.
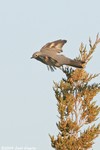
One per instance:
(54, 46)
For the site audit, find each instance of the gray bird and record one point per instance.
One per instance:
(50, 55)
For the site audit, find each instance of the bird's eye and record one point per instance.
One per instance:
(36, 55)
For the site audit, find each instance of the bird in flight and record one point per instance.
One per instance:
(50, 55)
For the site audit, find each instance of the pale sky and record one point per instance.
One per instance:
(28, 111)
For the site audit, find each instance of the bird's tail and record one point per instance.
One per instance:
(76, 63)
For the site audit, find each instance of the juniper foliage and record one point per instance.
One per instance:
(76, 105)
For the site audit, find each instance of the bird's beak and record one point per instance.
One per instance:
(32, 56)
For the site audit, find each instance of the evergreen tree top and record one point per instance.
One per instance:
(76, 105)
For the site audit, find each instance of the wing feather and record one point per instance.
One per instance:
(55, 46)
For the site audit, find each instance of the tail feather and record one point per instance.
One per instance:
(76, 63)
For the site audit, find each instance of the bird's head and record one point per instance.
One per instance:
(36, 55)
